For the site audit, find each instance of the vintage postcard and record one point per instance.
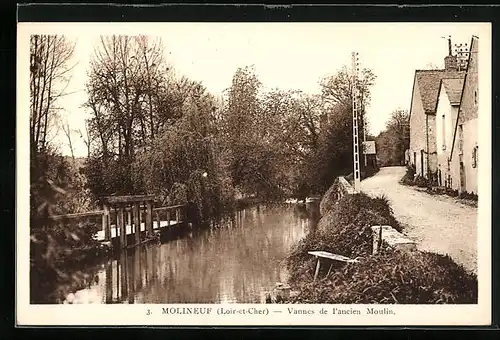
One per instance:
(253, 174)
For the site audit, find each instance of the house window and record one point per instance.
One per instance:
(460, 139)
(443, 132)
(475, 156)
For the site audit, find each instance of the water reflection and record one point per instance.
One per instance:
(235, 260)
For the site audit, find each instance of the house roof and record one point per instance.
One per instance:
(453, 88)
(428, 82)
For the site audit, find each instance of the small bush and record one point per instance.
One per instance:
(409, 176)
(452, 192)
(421, 182)
(468, 196)
(393, 277)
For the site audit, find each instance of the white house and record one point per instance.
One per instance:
(449, 94)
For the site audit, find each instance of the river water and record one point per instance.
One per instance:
(236, 260)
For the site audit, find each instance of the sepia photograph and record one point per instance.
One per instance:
(210, 167)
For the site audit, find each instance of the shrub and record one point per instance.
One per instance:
(57, 251)
(468, 195)
(345, 229)
(409, 176)
(452, 192)
(421, 182)
(393, 277)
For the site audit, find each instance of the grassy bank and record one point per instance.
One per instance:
(390, 276)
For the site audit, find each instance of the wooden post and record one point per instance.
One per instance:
(158, 219)
(121, 226)
(149, 217)
(168, 217)
(177, 213)
(137, 222)
(105, 223)
(329, 269)
(317, 269)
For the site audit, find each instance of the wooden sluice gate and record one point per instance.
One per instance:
(130, 220)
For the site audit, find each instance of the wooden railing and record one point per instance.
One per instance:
(96, 213)
(128, 211)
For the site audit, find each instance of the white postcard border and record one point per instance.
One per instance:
(407, 315)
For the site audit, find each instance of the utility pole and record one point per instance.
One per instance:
(364, 135)
(462, 52)
(355, 108)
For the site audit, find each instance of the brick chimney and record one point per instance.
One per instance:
(451, 62)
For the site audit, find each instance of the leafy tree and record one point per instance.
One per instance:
(395, 139)
(334, 155)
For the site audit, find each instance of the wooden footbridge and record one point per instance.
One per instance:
(130, 217)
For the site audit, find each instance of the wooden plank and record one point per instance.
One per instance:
(137, 223)
(128, 199)
(170, 207)
(96, 213)
(335, 257)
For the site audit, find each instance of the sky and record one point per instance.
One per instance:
(285, 55)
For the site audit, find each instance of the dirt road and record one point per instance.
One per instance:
(438, 223)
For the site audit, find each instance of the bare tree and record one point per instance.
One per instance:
(125, 86)
(50, 68)
(67, 131)
(87, 138)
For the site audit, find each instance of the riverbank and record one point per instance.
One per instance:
(390, 276)
(51, 280)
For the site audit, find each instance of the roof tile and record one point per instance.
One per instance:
(428, 82)
(453, 88)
